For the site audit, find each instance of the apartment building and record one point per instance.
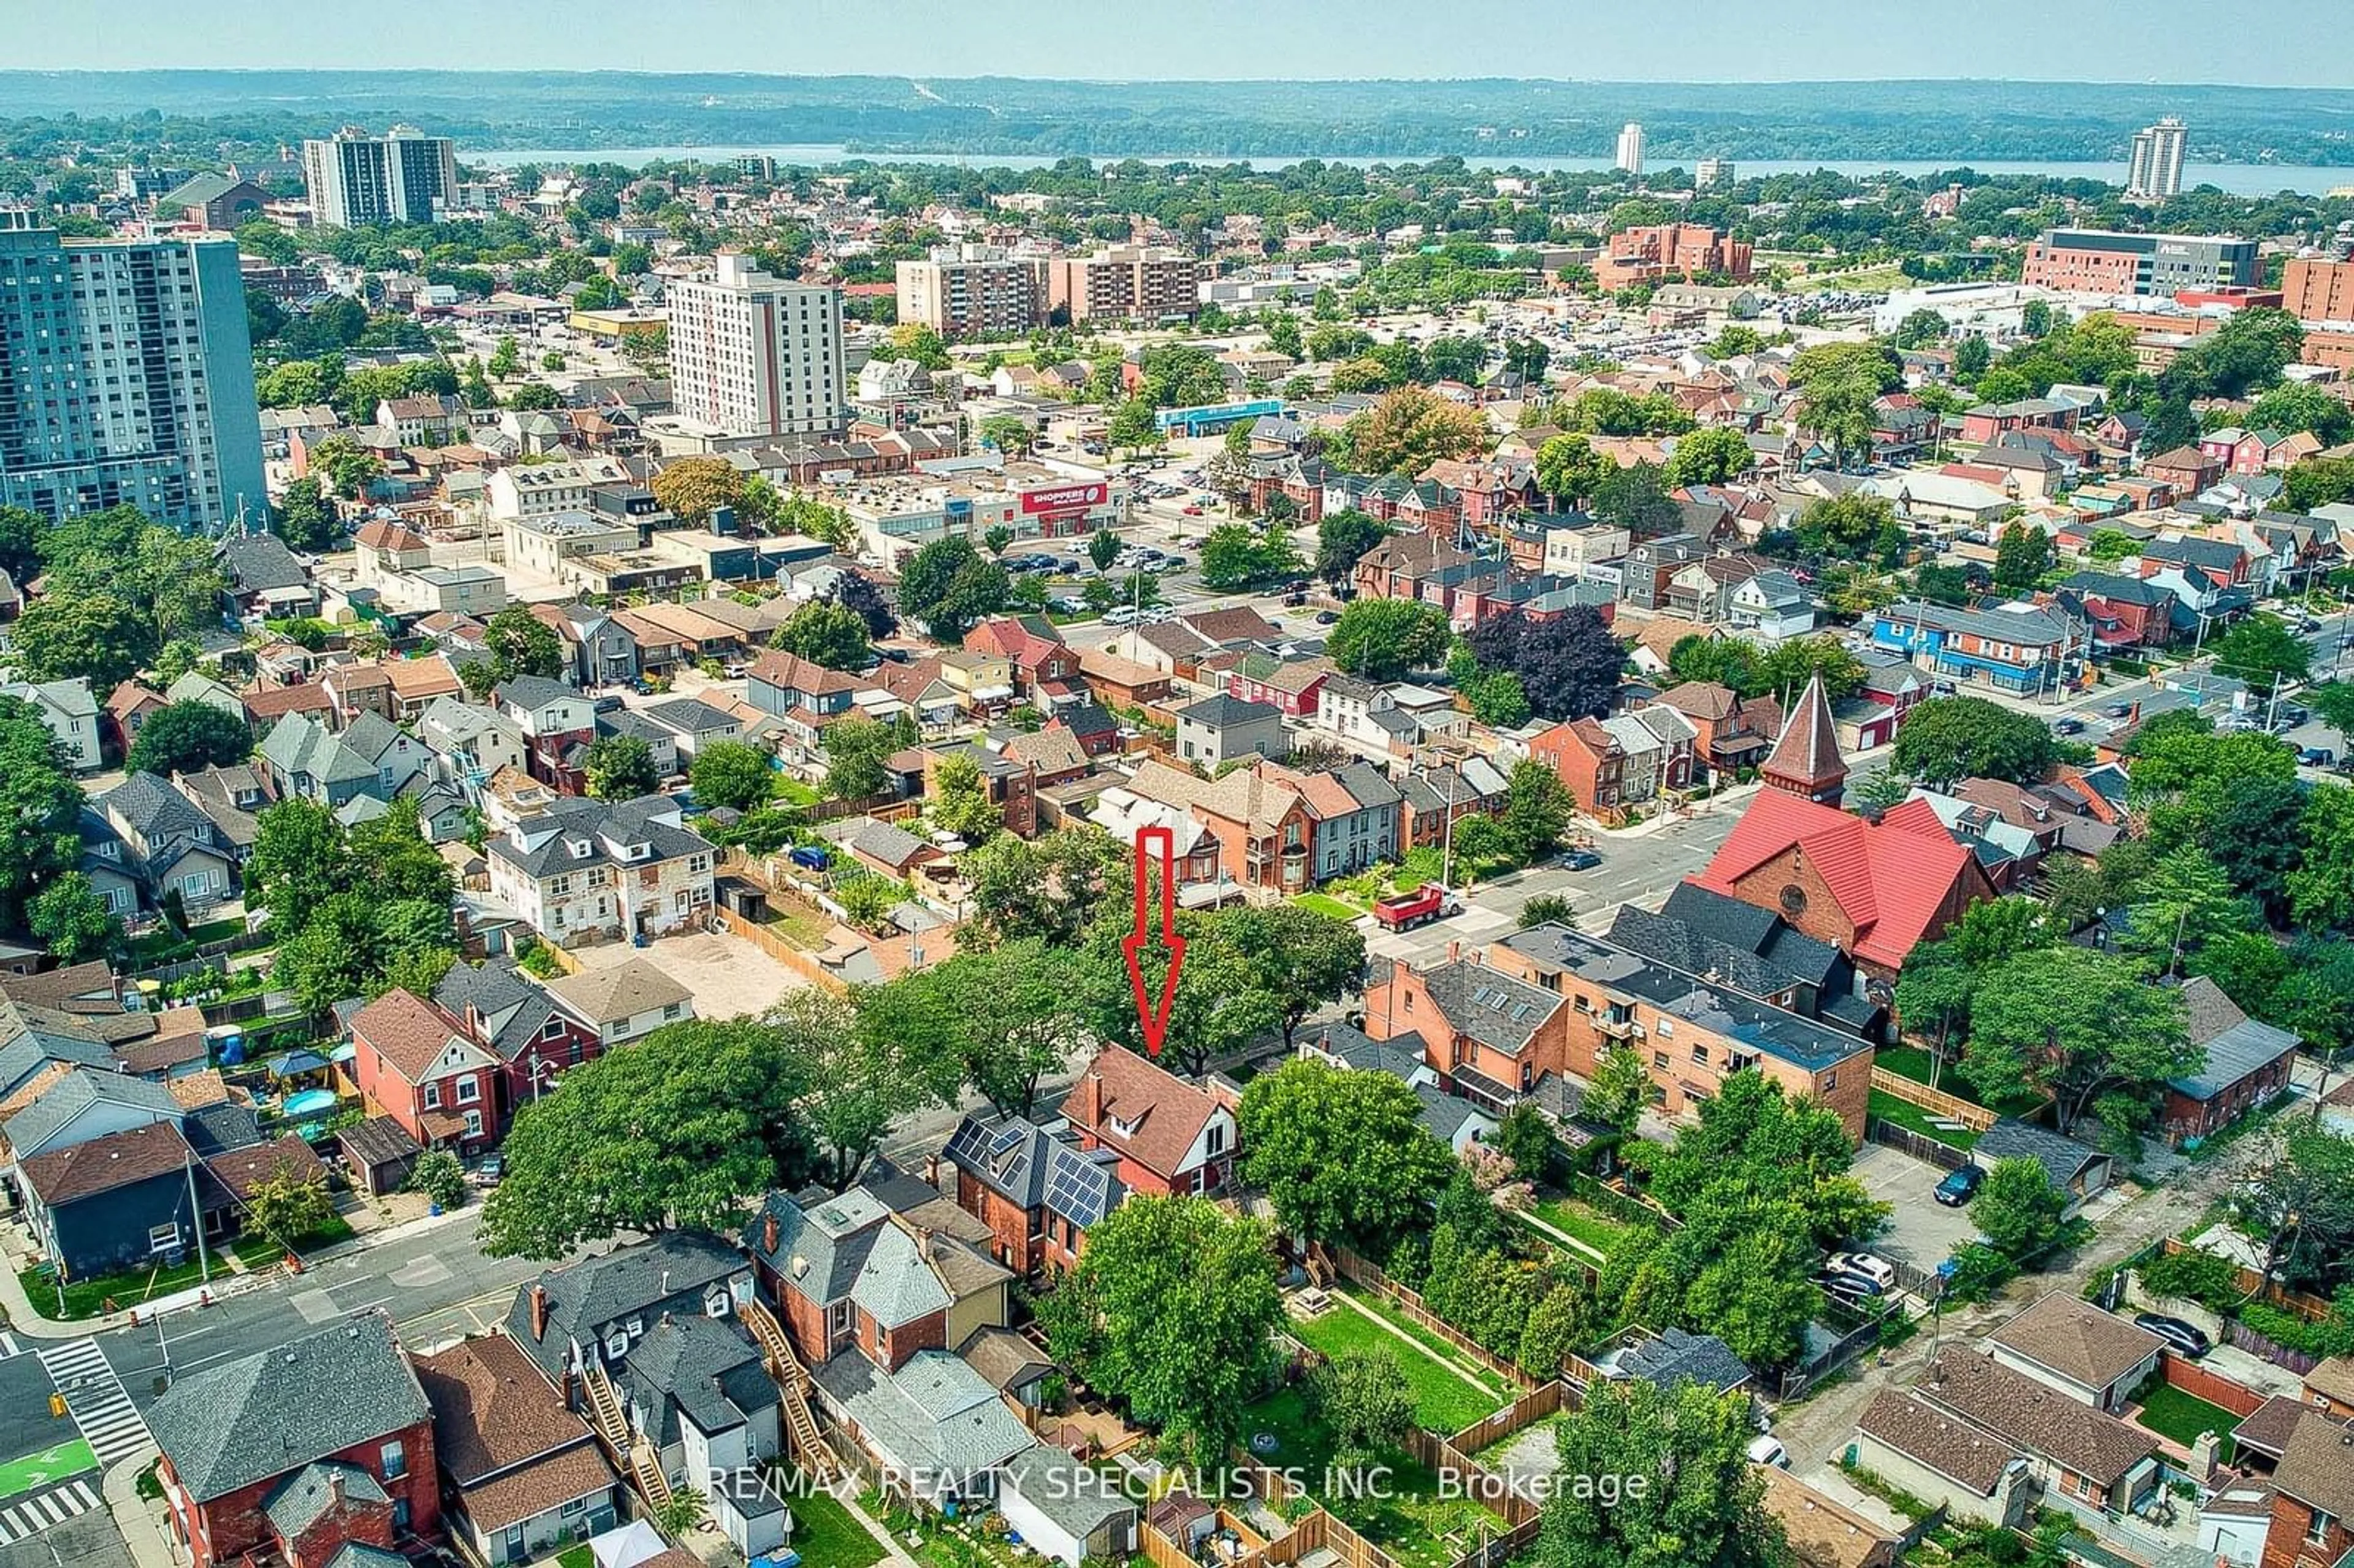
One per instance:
(755, 354)
(2154, 171)
(1656, 253)
(1124, 283)
(356, 179)
(126, 378)
(2315, 290)
(974, 292)
(587, 871)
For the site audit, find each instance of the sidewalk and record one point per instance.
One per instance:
(140, 1520)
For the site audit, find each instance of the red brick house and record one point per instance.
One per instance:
(2313, 1497)
(2245, 1065)
(1038, 1191)
(1170, 1136)
(1289, 684)
(416, 1064)
(1032, 645)
(1589, 761)
(2186, 470)
(300, 1451)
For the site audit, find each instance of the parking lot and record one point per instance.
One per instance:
(1921, 1232)
(728, 977)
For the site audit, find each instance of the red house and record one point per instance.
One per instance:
(1289, 684)
(1033, 646)
(1036, 1189)
(1171, 1136)
(299, 1452)
(415, 1063)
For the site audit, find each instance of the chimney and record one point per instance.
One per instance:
(768, 1235)
(569, 1388)
(538, 1312)
(932, 1169)
(1095, 1099)
(335, 1491)
(1454, 950)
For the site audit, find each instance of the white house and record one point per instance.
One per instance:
(70, 710)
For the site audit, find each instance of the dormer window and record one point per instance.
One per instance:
(1123, 1129)
(578, 848)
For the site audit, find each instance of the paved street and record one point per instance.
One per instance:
(434, 1282)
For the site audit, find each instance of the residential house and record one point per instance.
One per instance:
(659, 1323)
(2246, 1065)
(522, 1472)
(81, 1103)
(1771, 606)
(2078, 1453)
(2186, 470)
(2313, 1497)
(1752, 950)
(1044, 667)
(515, 1019)
(416, 1064)
(264, 581)
(2076, 1171)
(316, 1446)
(1824, 1532)
(1432, 799)
(2065, 1342)
(232, 799)
(1943, 1460)
(169, 847)
(1453, 1120)
(124, 1199)
(2020, 651)
(558, 724)
(307, 761)
(1218, 729)
(1289, 685)
(1729, 732)
(1171, 1137)
(608, 1007)
(1033, 1186)
(694, 724)
(588, 871)
(2126, 614)
(70, 712)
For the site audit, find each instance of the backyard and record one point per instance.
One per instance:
(1412, 1523)
(1912, 1118)
(1915, 1063)
(1574, 1217)
(1332, 908)
(826, 1535)
(2180, 1417)
(1448, 1394)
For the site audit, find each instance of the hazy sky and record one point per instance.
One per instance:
(2302, 43)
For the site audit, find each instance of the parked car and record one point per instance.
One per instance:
(1327, 617)
(1193, 510)
(1849, 1287)
(1864, 1263)
(1769, 1450)
(1960, 1186)
(2183, 1338)
(2317, 757)
(2068, 727)
(1580, 860)
(1122, 616)
(2117, 710)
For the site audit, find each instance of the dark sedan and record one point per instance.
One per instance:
(2181, 1338)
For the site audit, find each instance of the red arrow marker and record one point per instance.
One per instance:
(1153, 1019)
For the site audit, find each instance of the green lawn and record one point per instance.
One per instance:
(87, 1298)
(1326, 905)
(261, 1251)
(1913, 1063)
(1413, 1524)
(2170, 1412)
(1912, 1118)
(575, 1557)
(826, 1535)
(1442, 1402)
(1381, 1306)
(49, 1466)
(1581, 1220)
(793, 792)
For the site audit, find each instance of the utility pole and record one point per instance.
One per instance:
(196, 1214)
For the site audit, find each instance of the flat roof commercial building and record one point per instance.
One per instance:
(2104, 262)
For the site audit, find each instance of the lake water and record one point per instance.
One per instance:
(2238, 179)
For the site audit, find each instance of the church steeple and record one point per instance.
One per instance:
(1806, 761)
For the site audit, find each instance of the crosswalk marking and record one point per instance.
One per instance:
(109, 1422)
(44, 1510)
(9, 1345)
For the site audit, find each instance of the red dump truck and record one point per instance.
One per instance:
(1405, 911)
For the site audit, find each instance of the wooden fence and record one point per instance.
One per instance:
(796, 958)
(2213, 1387)
(1409, 1305)
(2312, 1309)
(1936, 1102)
(1903, 1140)
(1467, 1478)
(1620, 1205)
(1526, 1411)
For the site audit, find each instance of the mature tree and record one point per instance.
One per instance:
(2333, 701)
(1947, 739)
(1637, 499)
(1219, 1005)
(2263, 649)
(20, 532)
(2018, 1209)
(94, 637)
(858, 592)
(825, 632)
(1411, 427)
(2022, 555)
(621, 768)
(1920, 329)
(1103, 548)
(1303, 960)
(39, 799)
(1753, 1287)
(1700, 1503)
(72, 921)
(2300, 1201)
(2079, 1024)
(691, 488)
(1363, 1398)
(188, 737)
(1236, 555)
(858, 1081)
(1792, 663)
(960, 803)
(950, 588)
(683, 1128)
(289, 1207)
(520, 643)
(506, 359)
(1050, 887)
(1853, 527)
(998, 1019)
(1171, 1308)
(1537, 810)
(355, 944)
(1620, 1089)
(299, 859)
(1971, 357)
(732, 774)
(1342, 1155)
(1569, 469)
(1752, 1143)
(1382, 638)
(1940, 977)
(349, 467)
(1342, 539)
(1568, 666)
(1009, 433)
(1711, 455)
(304, 520)
(2320, 888)
(855, 749)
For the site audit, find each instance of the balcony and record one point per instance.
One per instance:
(1618, 1026)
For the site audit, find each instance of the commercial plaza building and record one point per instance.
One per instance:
(126, 378)
(2102, 261)
(755, 354)
(355, 179)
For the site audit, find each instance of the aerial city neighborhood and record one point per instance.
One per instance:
(726, 862)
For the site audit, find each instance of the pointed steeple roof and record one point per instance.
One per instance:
(1807, 760)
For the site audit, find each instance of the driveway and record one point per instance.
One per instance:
(727, 977)
(1921, 1231)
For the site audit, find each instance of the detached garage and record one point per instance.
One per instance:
(1065, 1510)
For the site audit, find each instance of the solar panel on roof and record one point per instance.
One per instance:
(1007, 1137)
